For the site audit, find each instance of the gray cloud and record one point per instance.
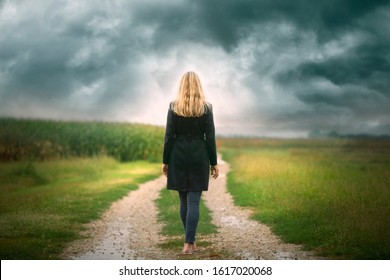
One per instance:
(269, 67)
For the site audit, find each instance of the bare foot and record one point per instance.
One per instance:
(187, 249)
(194, 248)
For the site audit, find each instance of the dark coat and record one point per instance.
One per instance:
(189, 150)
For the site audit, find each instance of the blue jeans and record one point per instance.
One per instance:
(189, 213)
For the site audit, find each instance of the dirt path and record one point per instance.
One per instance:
(129, 230)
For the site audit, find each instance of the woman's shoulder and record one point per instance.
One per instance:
(208, 107)
(171, 105)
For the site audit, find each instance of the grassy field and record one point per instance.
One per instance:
(47, 139)
(333, 196)
(43, 205)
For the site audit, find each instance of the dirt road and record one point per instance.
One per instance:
(129, 230)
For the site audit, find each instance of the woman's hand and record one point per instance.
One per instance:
(214, 171)
(164, 169)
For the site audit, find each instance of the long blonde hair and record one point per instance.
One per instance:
(190, 101)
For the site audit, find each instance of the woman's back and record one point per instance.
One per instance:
(189, 146)
(191, 125)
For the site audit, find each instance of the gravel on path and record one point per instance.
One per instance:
(128, 230)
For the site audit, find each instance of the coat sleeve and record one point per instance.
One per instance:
(169, 137)
(210, 136)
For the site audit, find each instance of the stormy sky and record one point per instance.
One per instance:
(269, 67)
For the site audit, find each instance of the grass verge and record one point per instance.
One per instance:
(43, 205)
(333, 197)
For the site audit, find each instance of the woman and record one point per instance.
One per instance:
(189, 151)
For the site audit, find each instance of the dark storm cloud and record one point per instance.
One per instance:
(366, 67)
(226, 22)
(352, 86)
(72, 60)
(295, 65)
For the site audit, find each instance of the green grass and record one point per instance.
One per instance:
(333, 196)
(43, 205)
(22, 139)
(169, 204)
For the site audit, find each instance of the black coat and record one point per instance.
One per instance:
(189, 150)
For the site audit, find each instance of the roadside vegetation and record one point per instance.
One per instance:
(331, 195)
(44, 205)
(56, 176)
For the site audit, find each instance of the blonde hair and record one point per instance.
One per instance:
(190, 101)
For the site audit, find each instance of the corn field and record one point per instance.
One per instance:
(47, 139)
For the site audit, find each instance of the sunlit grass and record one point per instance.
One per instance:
(44, 205)
(334, 198)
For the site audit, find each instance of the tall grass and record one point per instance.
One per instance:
(331, 195)
(46, 139)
